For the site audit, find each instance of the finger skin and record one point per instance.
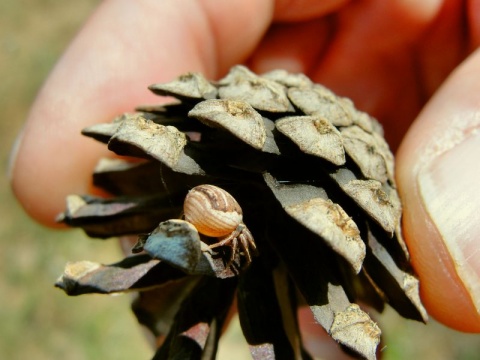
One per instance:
(371, 60)
(300, 55)
(444, 235)
(108, 67)
(294, 10)
(316, 340)
(124, 47)
(106, 71)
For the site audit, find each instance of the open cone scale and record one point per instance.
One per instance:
(315, 180)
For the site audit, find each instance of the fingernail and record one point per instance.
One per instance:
(450, 190)
(291, 65)
(13, 155)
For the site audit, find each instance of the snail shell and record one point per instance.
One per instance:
(212, 210)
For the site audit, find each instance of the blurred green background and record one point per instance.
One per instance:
(38, 321)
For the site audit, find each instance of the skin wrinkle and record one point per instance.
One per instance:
(442, 142)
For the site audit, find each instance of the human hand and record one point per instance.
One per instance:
(389, 57)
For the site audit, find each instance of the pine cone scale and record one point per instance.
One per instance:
(314, 180)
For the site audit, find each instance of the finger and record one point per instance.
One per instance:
(124, 47)
(296, 10)
(370, 59)
(316, 340)
(438, 176)
(473, 11)
(294, 47)
(442, 47)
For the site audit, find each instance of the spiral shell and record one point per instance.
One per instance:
(212, 210)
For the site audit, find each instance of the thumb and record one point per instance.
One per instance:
(439, 176)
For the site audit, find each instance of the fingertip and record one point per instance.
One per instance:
(438, 182)
(441, 289)
(46, 170)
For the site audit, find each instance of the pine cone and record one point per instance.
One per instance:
(314, 210)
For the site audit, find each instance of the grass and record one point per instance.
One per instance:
(38, 321)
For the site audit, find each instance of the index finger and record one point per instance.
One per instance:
(124, 47)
